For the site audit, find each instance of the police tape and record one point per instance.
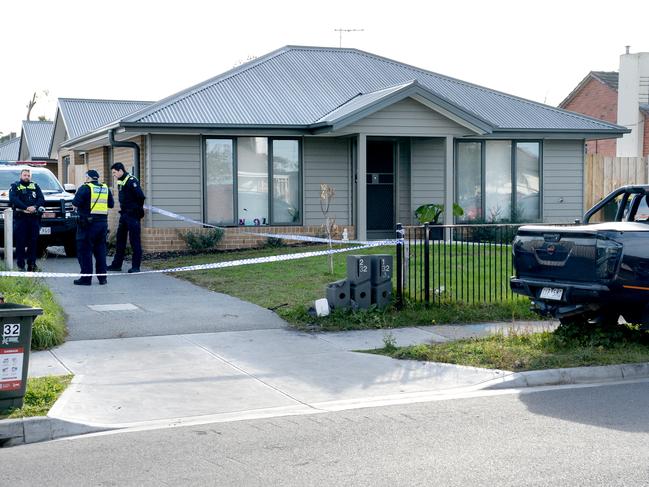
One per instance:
(200, 267)
(282, 236)
(357, 245)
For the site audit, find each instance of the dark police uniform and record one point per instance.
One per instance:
(131, 202)
(92, 201)
(27, 225)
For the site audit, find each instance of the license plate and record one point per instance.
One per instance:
(552, 293)
(49, 214)
(46, 231)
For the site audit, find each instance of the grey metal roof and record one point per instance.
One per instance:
(609, 78)
(82, 116)
(38, 135)
(298, 86)
(9, 150)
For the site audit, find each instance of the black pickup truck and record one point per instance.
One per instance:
(591, 272)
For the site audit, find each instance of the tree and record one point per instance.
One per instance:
(31, 104)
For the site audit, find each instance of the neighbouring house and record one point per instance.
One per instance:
(596, 96)
(35, 140)
(249, 148)
(621, 98)
(76, 117)
(9, 150)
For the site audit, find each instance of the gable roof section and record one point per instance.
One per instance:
(608, 78)
(37, 137)
(365, 104)
(9, 149)
(298, 86)
(82, 116)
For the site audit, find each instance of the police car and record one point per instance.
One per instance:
(58, 224)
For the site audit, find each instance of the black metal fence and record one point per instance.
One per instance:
(459, 263)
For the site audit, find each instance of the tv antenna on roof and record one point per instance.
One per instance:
(340, 31)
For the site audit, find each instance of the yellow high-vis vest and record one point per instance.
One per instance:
(98, 199)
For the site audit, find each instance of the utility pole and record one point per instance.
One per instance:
(340, 32)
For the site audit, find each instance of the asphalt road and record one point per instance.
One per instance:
(582, 436)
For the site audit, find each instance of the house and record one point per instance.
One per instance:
(76, 117)
(620, 98)
(9, 150)
(249, 148)
(596, 96)
(35, 140)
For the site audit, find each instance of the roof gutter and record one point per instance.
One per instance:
(130, 145)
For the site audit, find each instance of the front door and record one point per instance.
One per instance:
(380, 189)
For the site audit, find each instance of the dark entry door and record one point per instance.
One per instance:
(380, 188)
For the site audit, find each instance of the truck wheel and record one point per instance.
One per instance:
(70, 247)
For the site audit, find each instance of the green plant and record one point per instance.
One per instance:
(40, 396)
(201, 240)
(430, 213)
(49, 329)
(274, 243)
(389, 342)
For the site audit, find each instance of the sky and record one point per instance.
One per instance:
(147, 50)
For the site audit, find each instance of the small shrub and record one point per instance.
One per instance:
(274, 243)
(201, 240)
(389, 342)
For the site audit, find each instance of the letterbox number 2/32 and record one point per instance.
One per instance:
(11, 330)
(362, 266)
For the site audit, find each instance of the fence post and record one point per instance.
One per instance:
(399, 266)
(426, 263)
(8, 216)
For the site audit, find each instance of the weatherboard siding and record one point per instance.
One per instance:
(326, 160)
(404, 212)
(176, 178)
(563, 180)
(406, 118)
(428, 159)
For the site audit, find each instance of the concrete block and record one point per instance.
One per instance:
(635, 371)
(11, 432)
(362, 294)
(358, 268)
(382, 294)
(338, 294)
(382, 266)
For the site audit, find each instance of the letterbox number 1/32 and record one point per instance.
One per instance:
(11, 330)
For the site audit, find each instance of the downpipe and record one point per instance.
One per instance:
(130, 145)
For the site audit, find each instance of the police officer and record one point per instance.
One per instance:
(131, 202)
(26, 199)
(92, 201)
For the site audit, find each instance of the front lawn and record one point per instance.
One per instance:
(290, 288)
(532, 351)
(49, 329)
(40, 396)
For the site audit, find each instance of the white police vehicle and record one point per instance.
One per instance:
(58, 224)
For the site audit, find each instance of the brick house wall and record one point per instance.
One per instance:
(156, 240)
(596, 100)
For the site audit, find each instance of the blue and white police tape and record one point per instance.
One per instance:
(283, 236)
(200, 267)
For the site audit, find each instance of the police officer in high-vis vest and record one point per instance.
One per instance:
(26, 199)
(92, 201)
(131, 211)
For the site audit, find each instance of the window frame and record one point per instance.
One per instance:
(483, 150)
(271, 186)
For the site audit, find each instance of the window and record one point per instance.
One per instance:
(253, 181)
(219, 181)
(499, 180)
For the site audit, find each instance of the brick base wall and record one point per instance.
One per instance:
(167, 239)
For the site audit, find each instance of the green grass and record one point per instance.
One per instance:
(527, 351)
(40, 396)
(290, 288)
(49, 329)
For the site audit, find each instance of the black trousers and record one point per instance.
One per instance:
(91, 240)
(129, 226)
(26, 230)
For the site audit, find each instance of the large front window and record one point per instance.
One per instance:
(499, 180)
(253, 181)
